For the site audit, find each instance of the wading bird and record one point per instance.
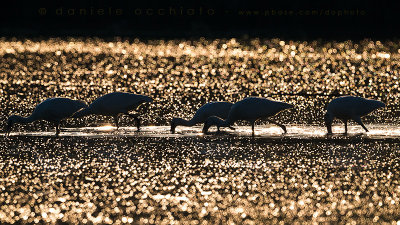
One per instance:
(249, 109)
(350, 107)
(220, 109)
(114, 104)
(52, 110)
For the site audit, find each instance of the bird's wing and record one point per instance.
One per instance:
(54, 109)
(116, 103)
(200, 115)
(219, 109)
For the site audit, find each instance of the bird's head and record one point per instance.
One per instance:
(11, 120)
(211, 121)
(174, 123)
(328, 122)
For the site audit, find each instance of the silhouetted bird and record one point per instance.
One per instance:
(52, 110)
(220, 109)
(350, 107)
(114, 104)
(249, 109)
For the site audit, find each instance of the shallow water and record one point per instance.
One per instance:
(297, 132)
(93, 173)
(221, 179)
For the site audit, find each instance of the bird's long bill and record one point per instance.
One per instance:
(8, 129)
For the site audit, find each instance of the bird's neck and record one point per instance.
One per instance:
(83, 112)
(187, 123)
(224, 123)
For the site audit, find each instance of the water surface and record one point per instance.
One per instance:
(95, 174)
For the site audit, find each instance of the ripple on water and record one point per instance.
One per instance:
(221, 179)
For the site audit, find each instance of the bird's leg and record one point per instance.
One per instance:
(252, 127)
(137, 123)
(345, 126)
(136, 118)
(218, 129)
(358, 120)
(116, 121)
(57, 129)
(278, 124)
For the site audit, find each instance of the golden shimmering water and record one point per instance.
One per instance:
(96, 174)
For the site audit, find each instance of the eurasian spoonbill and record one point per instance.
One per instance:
(350, 107)
(220, 109)
(250, 109)
(114, 104)
(52, 110)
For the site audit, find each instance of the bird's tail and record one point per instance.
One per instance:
(286, 105)
(375, 104)
(380, 104)
(146, 98)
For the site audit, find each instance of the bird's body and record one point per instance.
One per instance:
(114, 104)
(350, 107)
(249, 109)
(52, 110)
(219, 109)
